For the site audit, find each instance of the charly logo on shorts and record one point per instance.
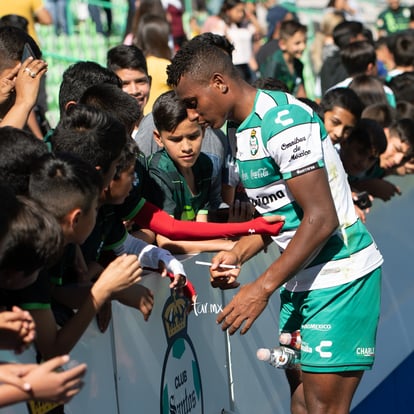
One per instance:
(365, 352)
(322, 349)
(254, 143)
(317, 326)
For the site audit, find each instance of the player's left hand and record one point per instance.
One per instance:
(244, 308)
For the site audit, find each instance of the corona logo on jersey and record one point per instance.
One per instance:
(181, 391)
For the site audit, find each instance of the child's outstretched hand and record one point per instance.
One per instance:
(120, 274)
(139, 297)
(47, 384)
(177, 280)
(183, 287)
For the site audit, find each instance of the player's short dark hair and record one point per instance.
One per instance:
(201, 56)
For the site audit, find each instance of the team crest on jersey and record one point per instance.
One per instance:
(254, 143)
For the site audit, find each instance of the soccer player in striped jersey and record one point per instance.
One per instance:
(329, 272)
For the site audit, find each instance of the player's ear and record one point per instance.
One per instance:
(69, 104)
(219, 82)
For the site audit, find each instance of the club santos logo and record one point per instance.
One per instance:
(181, 391)
(254, 143)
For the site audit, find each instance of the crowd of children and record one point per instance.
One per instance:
(111, 189)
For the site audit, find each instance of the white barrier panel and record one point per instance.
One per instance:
(136, 368)
(142, 350)
(125, 364)
(391, 224)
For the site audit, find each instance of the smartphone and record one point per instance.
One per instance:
(27, 52)
(362, 200)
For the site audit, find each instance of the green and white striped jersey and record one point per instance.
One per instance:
(283, 138)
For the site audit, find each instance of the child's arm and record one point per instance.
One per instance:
(12, 374)
(150, 216)
(137, 296)
(378, 187)
(195, 246)
(121, 273)
(42, 382)
(153, 257)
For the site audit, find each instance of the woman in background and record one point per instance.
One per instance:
(152, 37)
(240, 30)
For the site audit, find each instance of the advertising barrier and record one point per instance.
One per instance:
(179, 363)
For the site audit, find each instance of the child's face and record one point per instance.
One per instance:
(341, 4)
(294, 45)
(118, 189)
(394, 4)
(385, 56)
(136, 84)
(109, 175)
(395, 152)
(355, 158)
(85, 223)
(406, 168)
(184, 144)
(339, 123)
